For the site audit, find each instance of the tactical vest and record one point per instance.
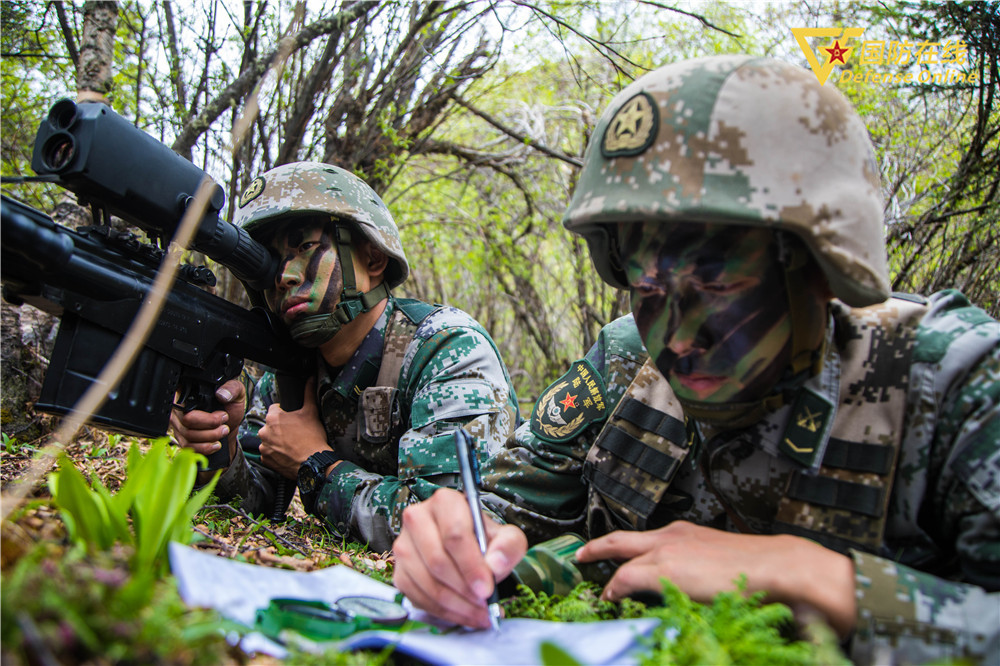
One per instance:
(839, 459)
(372, 437)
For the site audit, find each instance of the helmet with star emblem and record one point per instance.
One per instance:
(313, 187)
(744, 141)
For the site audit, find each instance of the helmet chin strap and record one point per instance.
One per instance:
(805, 362)
(314, 330)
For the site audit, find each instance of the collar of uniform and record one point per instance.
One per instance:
(361, 370)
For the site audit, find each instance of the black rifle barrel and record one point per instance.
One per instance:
(47, 265)
(34, 245)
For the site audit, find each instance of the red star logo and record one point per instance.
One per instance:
(568, 401)
(838, 53)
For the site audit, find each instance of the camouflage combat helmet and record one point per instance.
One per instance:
(303, 188)
(738, 140)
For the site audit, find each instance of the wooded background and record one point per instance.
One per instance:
(470, 118)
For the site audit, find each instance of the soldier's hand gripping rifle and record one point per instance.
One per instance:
(96, 278)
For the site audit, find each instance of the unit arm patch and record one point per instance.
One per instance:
(570, 404)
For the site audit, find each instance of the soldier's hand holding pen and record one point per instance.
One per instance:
(438, 563)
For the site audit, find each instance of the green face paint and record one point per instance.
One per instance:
(309, 279)
(709, 302)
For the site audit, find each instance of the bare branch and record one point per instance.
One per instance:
(67, 31)
(249, 77)
(93, 73)
(601, 47)
(175, 61)
(704, 21)
(517, 136)
(305, 101)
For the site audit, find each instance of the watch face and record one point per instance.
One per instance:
(308, 480)
(377, 610)
(314, 478)
(312, 473)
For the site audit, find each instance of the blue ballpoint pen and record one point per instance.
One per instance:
(469, 466)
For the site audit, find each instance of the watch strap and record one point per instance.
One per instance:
(322, 459)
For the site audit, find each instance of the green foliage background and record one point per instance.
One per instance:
(479, 208)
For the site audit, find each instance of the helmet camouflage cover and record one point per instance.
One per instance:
(738, 140)
(314, 187)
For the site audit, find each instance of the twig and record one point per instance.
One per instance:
(704, 21)
(226, 546)
(244, 514)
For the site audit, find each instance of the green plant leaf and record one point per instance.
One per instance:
(117, 514)
(155, 510)
(182, 524)
(553, 655)
(135, 479)
(83, 510)
(162, 509)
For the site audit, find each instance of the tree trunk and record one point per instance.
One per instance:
(93, 75)
(25, 347)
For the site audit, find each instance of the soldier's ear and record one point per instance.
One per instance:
(375, 259)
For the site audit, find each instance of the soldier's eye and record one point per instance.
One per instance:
(726, 287)
(646, 288)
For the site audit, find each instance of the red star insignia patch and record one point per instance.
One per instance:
(583, 403)
(568, 401)
(837, 52)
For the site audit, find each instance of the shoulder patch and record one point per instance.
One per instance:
(570, 404)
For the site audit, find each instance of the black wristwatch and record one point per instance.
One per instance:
(312, 476)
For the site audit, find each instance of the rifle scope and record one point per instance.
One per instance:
(112, 165)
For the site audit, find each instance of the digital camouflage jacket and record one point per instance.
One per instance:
(891, 454)
(394, 435)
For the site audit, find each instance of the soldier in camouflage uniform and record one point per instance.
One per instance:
(791, 421)
(395, 377)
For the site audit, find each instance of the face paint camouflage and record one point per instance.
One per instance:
(709, 302)
(330, 192)
(309, 279)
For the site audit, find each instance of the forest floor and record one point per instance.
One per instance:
(63, 605)
(300, 542)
